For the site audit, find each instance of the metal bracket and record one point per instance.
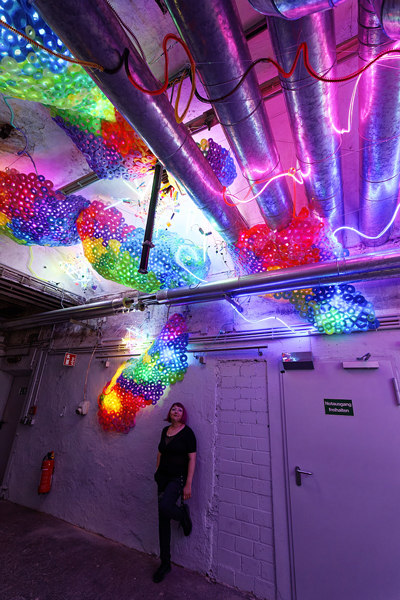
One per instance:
(233, 302)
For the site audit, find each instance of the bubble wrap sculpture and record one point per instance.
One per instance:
(141, 382)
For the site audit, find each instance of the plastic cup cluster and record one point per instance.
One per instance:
(140, 383)
(33, 213)
(333, 309)
(220, 160)
(304, 241)
(114, 249)
(33, 74)
(112, 148)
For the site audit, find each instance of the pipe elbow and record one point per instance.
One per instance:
(295, 9)
(388, 13)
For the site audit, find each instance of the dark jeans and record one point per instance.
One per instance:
(169, 491)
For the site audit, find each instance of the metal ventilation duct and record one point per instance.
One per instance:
(379, 127)
(293, 9)
(92, 33)
(213, 33)
(313, 108)
(388, 13)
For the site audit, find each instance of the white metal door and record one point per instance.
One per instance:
(345, 517)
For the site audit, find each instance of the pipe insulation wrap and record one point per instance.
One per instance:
(312, 107)
(214, 35)
(379, 128)
(293, 9)
(91, 32)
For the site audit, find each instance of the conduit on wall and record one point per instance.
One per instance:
(91, 32)
(379, 127)
(359, 268)
(312, 107)
(213, 33)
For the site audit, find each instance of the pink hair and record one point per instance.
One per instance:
(184, 414)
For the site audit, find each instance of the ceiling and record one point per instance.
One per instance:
(59, 160)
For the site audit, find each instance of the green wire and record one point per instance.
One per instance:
(5, 98)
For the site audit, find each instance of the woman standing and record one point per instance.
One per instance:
(176, 461)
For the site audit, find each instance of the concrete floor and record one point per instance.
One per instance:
(44, 558)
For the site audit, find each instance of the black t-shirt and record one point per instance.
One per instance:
(174, 452)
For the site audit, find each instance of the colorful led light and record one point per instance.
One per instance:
(334, 308)
(32, 212)
(220, 160)
(304, 241)
(112, 148)
(114, 248)
(141, 382)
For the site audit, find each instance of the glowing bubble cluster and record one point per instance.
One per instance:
(139, 383)
(32, 74)
(334, 308)
(33, 213)
(114, 248)
(220, 160)
(112, 148)
(304, 241)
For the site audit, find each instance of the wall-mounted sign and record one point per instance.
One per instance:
(339, 407)
(22, 391)
(69, 359)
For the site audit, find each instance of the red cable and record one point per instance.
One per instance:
(169, 36)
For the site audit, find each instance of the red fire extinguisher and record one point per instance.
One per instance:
(46, 474)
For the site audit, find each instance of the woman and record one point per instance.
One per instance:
(176, 461)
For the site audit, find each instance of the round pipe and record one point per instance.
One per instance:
(293, 9)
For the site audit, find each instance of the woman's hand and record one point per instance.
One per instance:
(187, 491)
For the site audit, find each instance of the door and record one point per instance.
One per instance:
(11, 416)
(345, 517)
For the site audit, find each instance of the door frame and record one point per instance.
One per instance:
(323, 351)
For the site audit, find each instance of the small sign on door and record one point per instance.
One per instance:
(69, 359)
(22, 391)
(339, 407)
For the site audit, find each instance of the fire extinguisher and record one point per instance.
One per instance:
(46, 474)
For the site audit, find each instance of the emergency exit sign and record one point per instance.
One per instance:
(339, 407)
(69, 359)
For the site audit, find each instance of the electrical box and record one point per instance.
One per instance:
(297, 361)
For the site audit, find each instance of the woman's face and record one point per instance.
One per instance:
(176, 414)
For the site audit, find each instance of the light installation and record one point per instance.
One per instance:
(32, 212)
(112, 148)
(333, 308)
(141, 382)
(304, 241)
(79, 270)
(220, 160)
(113, 248)
(34, 74)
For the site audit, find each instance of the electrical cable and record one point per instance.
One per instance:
(83, 63)
(128, 30)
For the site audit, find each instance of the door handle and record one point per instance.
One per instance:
(299, 473)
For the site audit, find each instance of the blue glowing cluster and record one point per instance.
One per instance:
(220, 160)
(333, 309)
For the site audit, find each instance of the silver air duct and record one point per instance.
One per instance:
(293, 9)
(379, 127)
(388, 13)
(313, 108)
(92, 33)
(213, 33)
(352, 269)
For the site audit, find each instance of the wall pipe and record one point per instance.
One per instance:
(358, 268)
(214, 35)
(293, 9)
(379, 128)
(312, 107)
(91, 32)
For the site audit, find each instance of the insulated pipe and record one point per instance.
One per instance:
(388, 13)
(91, 32)
(379, 128)
(214, 35)
(293, 9)
(358, 268)
(312, 107)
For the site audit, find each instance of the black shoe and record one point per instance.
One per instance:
(186, 521)
(161, 572)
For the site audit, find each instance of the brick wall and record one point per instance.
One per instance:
(245, 552)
